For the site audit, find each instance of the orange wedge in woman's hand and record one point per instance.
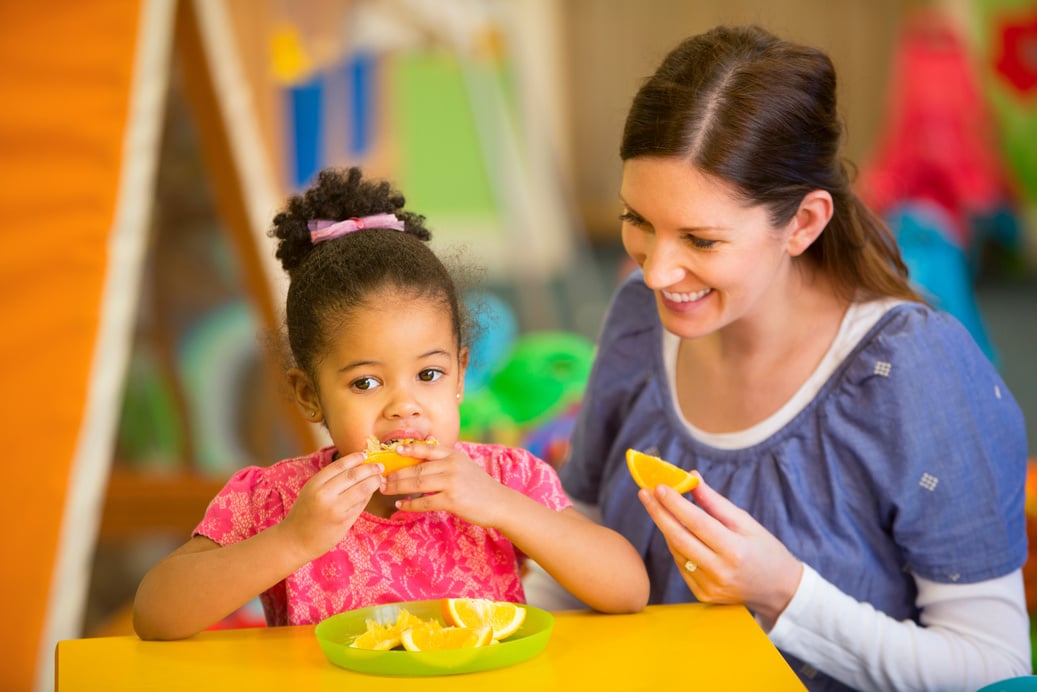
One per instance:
(649, 471)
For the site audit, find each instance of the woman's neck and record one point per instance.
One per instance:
(738, 376)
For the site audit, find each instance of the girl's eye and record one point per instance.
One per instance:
(430, 374)
(364, 384)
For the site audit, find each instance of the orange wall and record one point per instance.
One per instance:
(64, 91)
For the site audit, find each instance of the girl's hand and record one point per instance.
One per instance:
(448, 480)
(330, 502)
(736, 559)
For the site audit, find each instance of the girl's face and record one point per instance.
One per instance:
(394, 371)
(711, 259)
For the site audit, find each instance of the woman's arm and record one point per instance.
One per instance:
(971, 635)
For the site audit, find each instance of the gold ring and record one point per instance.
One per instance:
(690, 566)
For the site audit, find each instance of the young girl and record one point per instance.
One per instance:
(376, 331)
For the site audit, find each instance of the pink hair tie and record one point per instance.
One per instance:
(326, 230)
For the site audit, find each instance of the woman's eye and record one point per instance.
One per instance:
(364, 384)
(631, 218)
(701, 243)
(430, 375)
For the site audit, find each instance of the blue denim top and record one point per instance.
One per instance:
(910, 459)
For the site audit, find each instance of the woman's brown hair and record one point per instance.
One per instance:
(760, 113)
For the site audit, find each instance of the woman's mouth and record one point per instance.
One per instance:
(675, 297)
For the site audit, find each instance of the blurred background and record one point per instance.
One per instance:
(500, 121)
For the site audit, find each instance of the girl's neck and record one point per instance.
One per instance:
(381, 505)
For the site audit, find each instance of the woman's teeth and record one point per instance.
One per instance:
(686, 297)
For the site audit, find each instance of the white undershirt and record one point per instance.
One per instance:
(970, 634)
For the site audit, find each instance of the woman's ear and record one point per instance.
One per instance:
(305, 395)
(813, 215)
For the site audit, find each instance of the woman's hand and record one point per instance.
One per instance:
(735, 559)
(447, 480)
(330, 502)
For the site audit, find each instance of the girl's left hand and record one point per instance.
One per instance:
(735, 559)
(448, 480)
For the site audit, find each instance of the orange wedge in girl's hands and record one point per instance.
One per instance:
(649, 471)
(386, 455)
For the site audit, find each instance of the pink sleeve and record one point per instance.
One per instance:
(245, 506)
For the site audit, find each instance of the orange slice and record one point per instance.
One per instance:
(428, 639)
(385, 637)
(386, 455)
(649, 472)
(377, 637)
(503, 617)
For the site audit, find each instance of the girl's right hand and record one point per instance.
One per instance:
(330, 502)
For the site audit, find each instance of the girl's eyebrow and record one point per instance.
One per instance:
(357, 364)
(367, 363)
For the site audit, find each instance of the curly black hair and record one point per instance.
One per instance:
(330, 279)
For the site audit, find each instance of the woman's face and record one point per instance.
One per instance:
(394, 371)
(711, 259)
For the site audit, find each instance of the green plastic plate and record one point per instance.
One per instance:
(337, 632)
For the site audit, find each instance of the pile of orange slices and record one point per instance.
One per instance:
(470, 623)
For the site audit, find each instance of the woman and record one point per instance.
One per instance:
(862, 462)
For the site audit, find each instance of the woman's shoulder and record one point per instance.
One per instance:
(920, 340)
(632, 309)
(919, 370)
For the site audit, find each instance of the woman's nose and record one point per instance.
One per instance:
(661, 267)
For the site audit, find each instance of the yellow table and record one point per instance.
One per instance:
(704, 647)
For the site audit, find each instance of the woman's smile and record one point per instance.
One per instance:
(675, 297)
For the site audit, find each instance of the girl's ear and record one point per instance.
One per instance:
(813, 215)
(305, 395)
(462, 363)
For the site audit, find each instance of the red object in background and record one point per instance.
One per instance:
(1017, 55)
(938, 142)
(1030, 568)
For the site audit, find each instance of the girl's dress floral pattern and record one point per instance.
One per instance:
(409, 556)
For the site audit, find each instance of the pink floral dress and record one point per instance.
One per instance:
(409, 556)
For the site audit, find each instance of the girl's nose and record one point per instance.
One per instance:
(402, 405)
